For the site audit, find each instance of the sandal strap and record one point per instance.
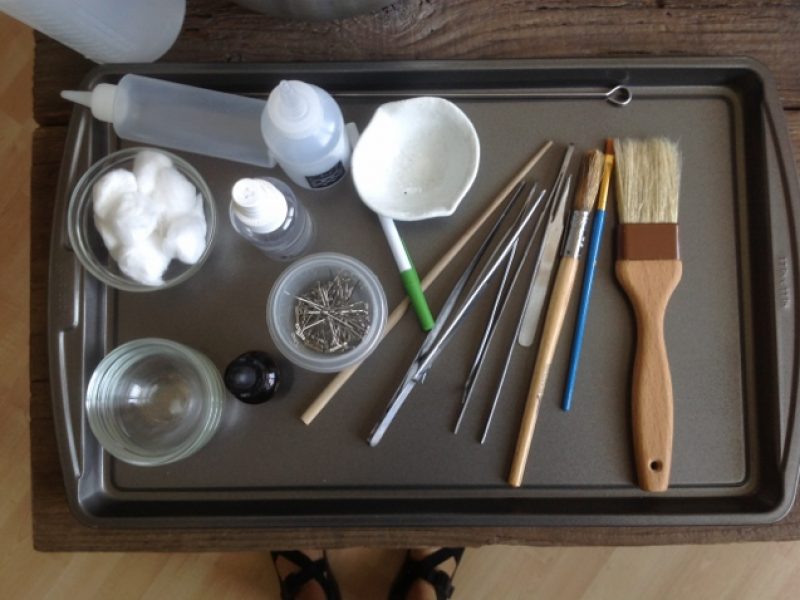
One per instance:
(319, 570)
(426, 570)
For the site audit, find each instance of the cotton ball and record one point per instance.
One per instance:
(144, 261)
(146, 167)
(108, 189)
(134, 218)
(110, 239)
(174, 193)
(198, 208)
(185, 238)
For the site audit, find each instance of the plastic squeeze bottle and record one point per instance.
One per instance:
(267, 214)
(105, 31)
(304, 129)
(173, 115)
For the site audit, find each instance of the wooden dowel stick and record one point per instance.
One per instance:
(341, 378)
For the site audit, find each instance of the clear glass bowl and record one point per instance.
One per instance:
(88, 245)
(153, 401)
(296, 280)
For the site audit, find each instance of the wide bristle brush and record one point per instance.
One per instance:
(648, 267)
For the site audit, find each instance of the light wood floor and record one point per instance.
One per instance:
(759, 571)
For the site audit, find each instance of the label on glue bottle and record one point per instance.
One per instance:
(327, 178)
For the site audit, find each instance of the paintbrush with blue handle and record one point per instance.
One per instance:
(588, 276)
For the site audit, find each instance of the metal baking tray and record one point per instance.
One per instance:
(731, 324)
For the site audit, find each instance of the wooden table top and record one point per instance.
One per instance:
(217, 31)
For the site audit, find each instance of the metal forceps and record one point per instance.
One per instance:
(439, 336)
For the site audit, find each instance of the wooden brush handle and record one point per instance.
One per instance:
(649, 285)
(556, 309)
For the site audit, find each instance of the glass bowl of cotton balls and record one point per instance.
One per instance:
(141, 219)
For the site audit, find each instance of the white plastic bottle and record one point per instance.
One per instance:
(266, 213)
(183, 117)
(105, 31)
(304, 129)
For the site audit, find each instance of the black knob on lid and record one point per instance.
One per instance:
(252, 377)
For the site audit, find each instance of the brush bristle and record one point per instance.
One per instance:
(648, 180)
(589, 182)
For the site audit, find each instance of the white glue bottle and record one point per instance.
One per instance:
(266, 213)
(183, 117)
(304, 129)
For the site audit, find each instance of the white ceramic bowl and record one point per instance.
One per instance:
(416, 159)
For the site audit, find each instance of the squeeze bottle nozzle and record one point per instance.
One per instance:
(100, 100)
(295, 108)
(292, 105)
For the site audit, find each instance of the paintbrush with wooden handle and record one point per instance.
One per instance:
(585, 194)
(648, 267)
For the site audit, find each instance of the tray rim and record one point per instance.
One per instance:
(778, 131)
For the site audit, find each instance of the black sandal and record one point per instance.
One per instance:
(426, 570)
(319, 570)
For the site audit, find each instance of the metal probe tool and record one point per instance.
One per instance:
(561, 201)
(434, 343)
(540, 282)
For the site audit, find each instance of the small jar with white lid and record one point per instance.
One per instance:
(266, 213)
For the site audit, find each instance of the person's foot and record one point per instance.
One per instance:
(303, 573)
(426, 574)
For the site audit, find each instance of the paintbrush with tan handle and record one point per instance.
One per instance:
(648, 267)
(585, 194)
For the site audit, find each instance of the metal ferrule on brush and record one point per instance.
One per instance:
(576, 234)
